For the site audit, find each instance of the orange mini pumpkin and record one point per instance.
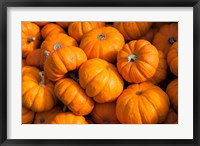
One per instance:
(68, 118)
(55, 41)
(73, 96)
(37, 93)
(137, 61)
(51, 28)
(78, 29)
(62, 60)
(172, 58)
(104, 113)
(41, 23)
(161, 71)
(103, 43)
(30, 37)
(27, 116)
(172, 92)
(100, 80)
(142, 103)
(132, 30)
(165, 37)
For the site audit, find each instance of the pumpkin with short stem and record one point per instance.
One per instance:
(172, 58)
(73, 96)
(104, 113)
(37, 92)
(30, 37)
(64, 24)
(103, 43)
(172, 92)
(41, 23)
(46, 117)
(55, 41)
(100, 80)
(142, 103)
(149, 34)
(62, 60)
(132, 30)
(23, 62)
(172, 117)
(166, 37)
(27, 116)
(161, 71)
(137, 61)
(78, 29)
(68, 118)
(51, 28)
(37, 58)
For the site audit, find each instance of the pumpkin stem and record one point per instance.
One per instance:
(45, 53)
(42, 81)
(73, 76)
(57, 45)
(138, 93)
(101, 36)
(171, 40)
(65, 108)
(132, 57)
(30, 39)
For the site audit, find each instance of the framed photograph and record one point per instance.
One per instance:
(99, 72)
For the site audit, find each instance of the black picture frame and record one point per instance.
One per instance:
(4, 4)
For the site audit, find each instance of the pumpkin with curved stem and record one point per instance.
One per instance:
(62, 60)
(78, 29)
(73, 96)
(104, 113)
(161, 71)
(172, 92)
(56, 41)
(137, 61)
(100, 80)
(30, 37)
(37, 58)
(132, 30)
(172, 58)
(165, 37)
(172, 117)
(46, 117)
(41, 23)
(27, 116)
(103, 43)
(142, 103)
(51, 28)
(64, 24)
(68, 118)
(37, 92)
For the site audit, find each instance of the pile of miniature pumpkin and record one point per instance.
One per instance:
(99, 72)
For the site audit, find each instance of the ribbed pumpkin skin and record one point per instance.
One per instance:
(68, 118)
(41, 23)
(78, 29)
(149, 34)
(64, 24)
(172, 58)
(103, 43)
(46, 117)
(73, 96)
(137, 61)
(56, 41)
(142, 103)
(104, 113)
(172, 92)
(51, 28)
(161, 71)
(162, 38)
(62, 60)
(36, 58)
(132, 30)
(36, 95)
(172, 117)
(27, 116)
(100, 80)
(30, 37)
